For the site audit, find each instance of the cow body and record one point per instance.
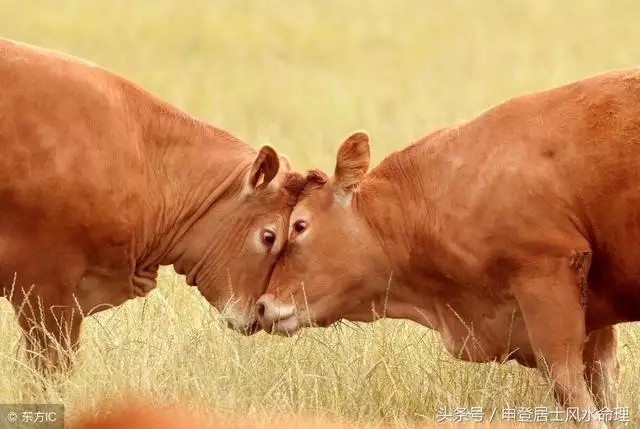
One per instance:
(513, 235)
(101, 183)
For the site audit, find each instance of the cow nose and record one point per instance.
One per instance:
(269, 311)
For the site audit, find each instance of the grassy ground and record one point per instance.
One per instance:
(302, 75)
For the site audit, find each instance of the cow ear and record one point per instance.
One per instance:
(352, 163)
(264, 168)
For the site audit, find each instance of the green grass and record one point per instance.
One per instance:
(302, 75)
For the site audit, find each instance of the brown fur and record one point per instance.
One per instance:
(294, 183)
(514, 235)
(357, 157)
(101, 183)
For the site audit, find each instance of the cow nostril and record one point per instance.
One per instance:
(261, 309)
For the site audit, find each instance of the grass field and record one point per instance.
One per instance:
(303, 75)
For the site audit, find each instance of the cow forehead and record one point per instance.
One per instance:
(300, 211)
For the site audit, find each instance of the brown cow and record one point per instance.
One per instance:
(101, 183)
(514, 235)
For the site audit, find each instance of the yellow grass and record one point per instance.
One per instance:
(301, 75)
(143, 416)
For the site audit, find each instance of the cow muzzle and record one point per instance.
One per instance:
(276, 317)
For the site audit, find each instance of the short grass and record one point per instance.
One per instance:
(303, 75)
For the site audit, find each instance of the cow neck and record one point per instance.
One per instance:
(393, 200)
(195, 165)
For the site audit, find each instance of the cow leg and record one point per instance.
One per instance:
(601, 365)
(549, 295)
(51, 334)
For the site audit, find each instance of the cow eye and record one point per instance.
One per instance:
(268, 238)
(299, 226)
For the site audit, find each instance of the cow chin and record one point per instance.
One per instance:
(240, 321)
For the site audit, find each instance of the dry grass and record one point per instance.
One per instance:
(144, 416)
(302, 75)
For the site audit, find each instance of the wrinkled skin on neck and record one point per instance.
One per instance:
(219, 212)
(226, 253)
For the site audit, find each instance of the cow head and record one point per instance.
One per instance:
(230, 252)
(332, 257)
